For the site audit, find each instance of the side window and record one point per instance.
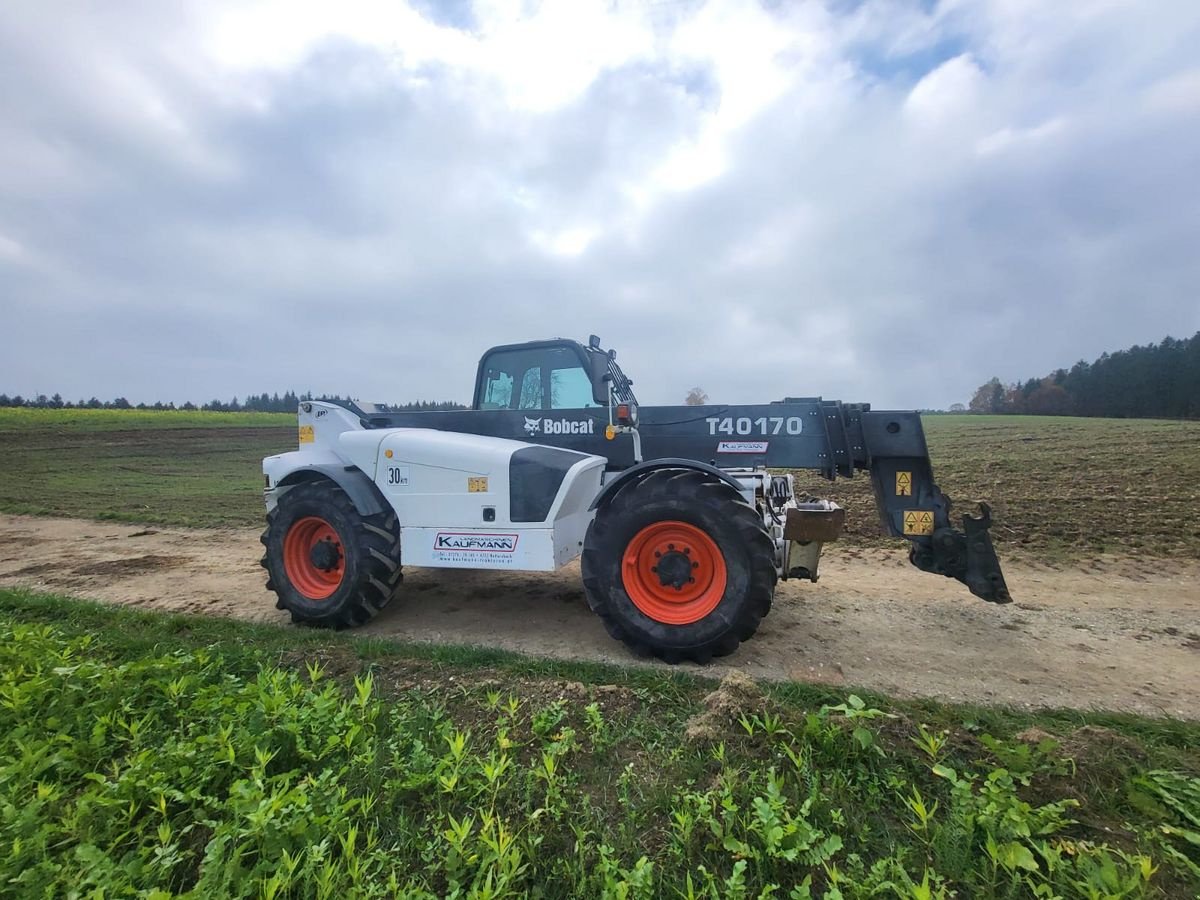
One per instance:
(570, 389)
(497, 391)
(531, 389)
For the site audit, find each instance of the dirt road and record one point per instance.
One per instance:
(1121, 634)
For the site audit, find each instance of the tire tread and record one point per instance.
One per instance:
(716, 497)
(377, 542)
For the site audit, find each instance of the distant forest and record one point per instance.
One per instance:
(253, 403)
(1155, 381)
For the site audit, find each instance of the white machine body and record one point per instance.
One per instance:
(462, 500)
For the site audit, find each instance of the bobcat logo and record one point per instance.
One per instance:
(532, 426)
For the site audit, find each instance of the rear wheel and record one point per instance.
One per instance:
(328, 564)
(678, 565)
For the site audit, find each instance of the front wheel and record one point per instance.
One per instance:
(678, 565)
(328, 564)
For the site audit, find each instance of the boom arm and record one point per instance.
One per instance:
(890, 445)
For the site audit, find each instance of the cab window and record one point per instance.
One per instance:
(497, 392)
(539, 378)
(531, 389)
(570, 388)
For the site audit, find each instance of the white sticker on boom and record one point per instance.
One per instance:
(742, 446)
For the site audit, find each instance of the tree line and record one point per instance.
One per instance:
(1155, 381)
(286, 402)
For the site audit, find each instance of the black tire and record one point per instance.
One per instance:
(369, 549)
(702, 501)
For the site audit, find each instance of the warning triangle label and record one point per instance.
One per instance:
(918, 521)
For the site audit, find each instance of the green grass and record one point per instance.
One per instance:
(1062, 489)
(166, 755)
(166, 468)
(70, 420)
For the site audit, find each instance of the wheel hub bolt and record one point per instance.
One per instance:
(325, 555)
(673, 570)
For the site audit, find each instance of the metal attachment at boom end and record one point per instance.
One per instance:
(983, 575)
(967, 556)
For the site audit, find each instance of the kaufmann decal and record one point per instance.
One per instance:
(742, 446)
(477, 547)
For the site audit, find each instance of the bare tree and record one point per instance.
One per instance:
(696, 397)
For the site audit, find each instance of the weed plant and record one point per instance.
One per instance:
(187, 771)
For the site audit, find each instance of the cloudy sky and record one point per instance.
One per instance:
(880, 200)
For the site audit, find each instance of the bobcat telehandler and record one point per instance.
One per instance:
(682, 526)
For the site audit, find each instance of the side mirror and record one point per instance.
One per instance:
(598, 373)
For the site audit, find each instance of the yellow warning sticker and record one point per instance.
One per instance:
(477, 485)
(918, 521)
(904, 484)
(306, 434)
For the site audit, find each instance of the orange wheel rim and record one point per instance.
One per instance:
(313, 558)
(674, 572)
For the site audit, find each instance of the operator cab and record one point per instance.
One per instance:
(557, 374)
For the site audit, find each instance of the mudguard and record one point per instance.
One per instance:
(353, 481)
(642, 469)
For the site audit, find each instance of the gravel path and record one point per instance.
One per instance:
(1121, 634)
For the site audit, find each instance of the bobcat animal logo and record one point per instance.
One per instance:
(532, 426)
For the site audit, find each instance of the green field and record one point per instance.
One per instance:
(1061, 488)
(165, 468)
(152, 755)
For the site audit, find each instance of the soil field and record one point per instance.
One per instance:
(1111, 635)
(1062, 489)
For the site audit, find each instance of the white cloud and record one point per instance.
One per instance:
(952, 90)
(1177, 94)
(543, 56)
(12, 250)
(568, 242)
(1007, 139)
